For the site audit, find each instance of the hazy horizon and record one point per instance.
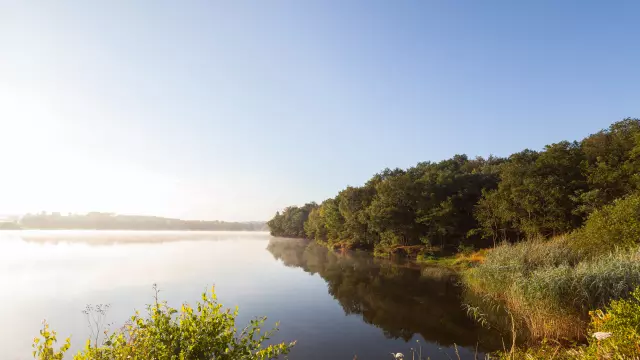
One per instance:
(233, 110)
(6, 215)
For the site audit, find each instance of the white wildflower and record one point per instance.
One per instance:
(601, 335)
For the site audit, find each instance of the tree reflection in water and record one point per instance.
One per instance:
(400, 298)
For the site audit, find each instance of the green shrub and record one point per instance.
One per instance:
(206, 331)
(614, 226)
(622, 321)
(43, 346)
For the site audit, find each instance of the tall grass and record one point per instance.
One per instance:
(549, 286)
(615, 334)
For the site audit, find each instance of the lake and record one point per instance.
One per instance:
(336, 305)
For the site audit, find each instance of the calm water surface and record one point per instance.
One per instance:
(335, 305)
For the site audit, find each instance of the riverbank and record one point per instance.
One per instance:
(545, 297)
(550, 296)
(568, 216)
(553, 296)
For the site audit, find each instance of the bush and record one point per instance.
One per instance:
(206, 331)
(614, 226)
(43, 347)
(622, 321)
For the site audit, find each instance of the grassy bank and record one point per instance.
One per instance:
(550, 291)
(551, 288)
(553, 298)
(460, 261)
(551, 285)
(614, 333)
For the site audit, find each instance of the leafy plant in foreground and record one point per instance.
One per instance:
(206, 331)
(621, 324)
(43, 346)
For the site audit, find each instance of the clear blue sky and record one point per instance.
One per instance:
(233, 109)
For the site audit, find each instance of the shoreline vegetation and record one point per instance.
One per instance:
(204, 331)
(110, 221)
(546, 242)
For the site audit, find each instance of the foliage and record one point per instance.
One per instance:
(614, 226)
(611, 163)
(291, 222)
(622, 320)
(544, 281)
(43, 346)
(429, 204)
(534, 196)
(478, 202)
(206, 331)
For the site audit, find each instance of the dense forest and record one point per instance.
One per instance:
(476, 202)
(109, 221)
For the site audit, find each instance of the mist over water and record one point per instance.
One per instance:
(335, 305)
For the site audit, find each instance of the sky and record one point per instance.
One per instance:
(231, 110)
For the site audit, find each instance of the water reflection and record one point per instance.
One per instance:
(55, 274)
(113, 237)
(399, 298)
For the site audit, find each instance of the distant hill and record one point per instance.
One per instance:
(110, 221)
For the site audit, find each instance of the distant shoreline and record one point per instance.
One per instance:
(141, 230)
(109, 221)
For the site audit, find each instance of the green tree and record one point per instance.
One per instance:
(494, 218)
(353, 203)
(291, 222)
(616, 225)
(536, 194)
(314, 227)
(611, 164)
(462, 201)
(450, 190)
(332, 218)
(393, 210)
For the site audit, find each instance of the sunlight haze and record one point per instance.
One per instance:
(233, 110)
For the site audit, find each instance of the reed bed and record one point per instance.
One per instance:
(550, 287)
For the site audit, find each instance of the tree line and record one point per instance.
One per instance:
(109, 221)
(463, 202)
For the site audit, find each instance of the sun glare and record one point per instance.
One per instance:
(43, 173)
